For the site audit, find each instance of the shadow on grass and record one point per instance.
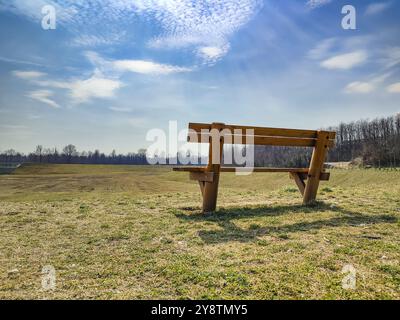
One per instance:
(231, 232)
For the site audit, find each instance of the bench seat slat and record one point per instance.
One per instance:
(234, 169)
(302, 172)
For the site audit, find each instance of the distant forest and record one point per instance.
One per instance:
(372, 142)
(70, 155)
(366, 142)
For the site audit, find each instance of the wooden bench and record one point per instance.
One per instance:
(306, 179)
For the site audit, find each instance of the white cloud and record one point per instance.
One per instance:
(19, 61)
(381, 78)
(394, 88)
(43, 96)
(91, 40)
(28, 75)
(34, 117)
(367, 86)
(345, 61)
(201, 23)
(322, 48)
(146, 67)
(33, 9)
(94, 87)
(213, 53)
(359, 87)
(104, 82)
(313, 4)
(184, 23)
(80, 91)
(375, 8)
(120, 109)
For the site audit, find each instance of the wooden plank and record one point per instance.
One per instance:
(202, 176)
(201, 184)
(303, 172)
(299, 182)
(258, 140)
(234, 169)
(264, 131)
(316, 167)
(284, 142)
(325, 176)
(190, 169)
(266, 170)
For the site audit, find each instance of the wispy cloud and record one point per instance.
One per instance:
(84, 90)
(394, 88)
(345, 61)
(322, 49)
(44, 96)
(391, 57)
(202, 24)
(79, 90)
(121, 109)
(376, 8)
(359, 87)
(363, 87)
(19, 61)
(92, 40)
(213, 53)
(146, 67)
(34, 117)
(102, 84)
(313, 4)
(91, 23)
(94, 87)
(184, 23)
(28, 75)
(31, 9)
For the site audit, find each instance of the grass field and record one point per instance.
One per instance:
(123, 232)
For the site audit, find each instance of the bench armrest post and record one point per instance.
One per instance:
(210, 191)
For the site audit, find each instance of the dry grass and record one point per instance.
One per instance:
(137, 232)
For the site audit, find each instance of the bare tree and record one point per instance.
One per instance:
(69, 151)
(39, 152)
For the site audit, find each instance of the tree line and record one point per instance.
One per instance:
(70, 155)
(370, 142)
(373, 142)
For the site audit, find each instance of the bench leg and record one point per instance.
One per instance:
(311, 190)
(299, 182)
(316, 167)
(210, 194)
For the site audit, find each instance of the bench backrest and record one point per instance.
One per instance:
(232, 134)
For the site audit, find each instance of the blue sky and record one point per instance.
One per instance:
(112, 70)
